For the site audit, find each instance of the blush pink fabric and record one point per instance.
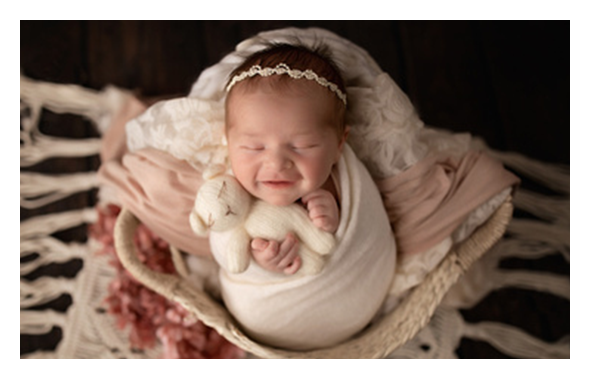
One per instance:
(425, 204)
(157, 188)
(160, 190)
(114, 143)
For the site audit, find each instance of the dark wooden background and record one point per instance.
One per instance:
(507, 82)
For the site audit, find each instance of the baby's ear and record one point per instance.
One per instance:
(197, 224)
(343, 139)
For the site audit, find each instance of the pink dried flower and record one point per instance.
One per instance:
(150, 317)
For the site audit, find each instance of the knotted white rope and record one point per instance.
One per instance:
(37, 190)
(88, 333)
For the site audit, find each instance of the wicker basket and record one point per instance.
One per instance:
(376, 341)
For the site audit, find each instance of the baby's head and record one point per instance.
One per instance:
(285, 122)
(295, 60)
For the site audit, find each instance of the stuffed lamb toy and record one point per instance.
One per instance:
(223, 205)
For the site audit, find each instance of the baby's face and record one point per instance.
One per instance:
(282, 146)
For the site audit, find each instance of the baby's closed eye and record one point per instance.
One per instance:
(304, 146)
(252, 147)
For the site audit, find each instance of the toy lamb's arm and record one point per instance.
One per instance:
(314, 238)
(231, 250)
(238, 251)
(271, 222)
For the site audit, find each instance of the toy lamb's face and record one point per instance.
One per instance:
(221, 205)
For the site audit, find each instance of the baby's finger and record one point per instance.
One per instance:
(288, 251)
(268, 256)
(293, 267)
(318, 211)
(259, 244)
(288, 243)
(311, 200)
(272, 249)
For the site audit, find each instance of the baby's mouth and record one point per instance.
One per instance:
(278, 184)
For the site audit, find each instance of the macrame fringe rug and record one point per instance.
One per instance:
(112, 316)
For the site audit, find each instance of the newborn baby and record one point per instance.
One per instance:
(286, 136)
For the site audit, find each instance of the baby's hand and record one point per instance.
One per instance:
(323, 210)
(277, 257)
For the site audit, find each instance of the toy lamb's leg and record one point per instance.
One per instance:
(238, 251)
(319, 241)
(311, 262)
(316, 244)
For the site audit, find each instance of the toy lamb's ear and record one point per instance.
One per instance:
(213, 171)
(197, 224)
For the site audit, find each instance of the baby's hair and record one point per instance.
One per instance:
(297, 57)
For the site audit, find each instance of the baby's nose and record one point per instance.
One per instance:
(279, 161)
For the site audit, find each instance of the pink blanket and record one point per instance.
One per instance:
(424, 204)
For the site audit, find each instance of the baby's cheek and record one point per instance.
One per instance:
(241, 170)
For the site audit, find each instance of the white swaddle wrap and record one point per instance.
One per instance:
(318, 311)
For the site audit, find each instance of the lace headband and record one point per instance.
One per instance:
(283, 69)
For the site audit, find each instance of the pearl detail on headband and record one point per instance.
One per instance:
(283, 69)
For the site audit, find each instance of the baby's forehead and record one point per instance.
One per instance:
(280, 105)
(254, 98)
